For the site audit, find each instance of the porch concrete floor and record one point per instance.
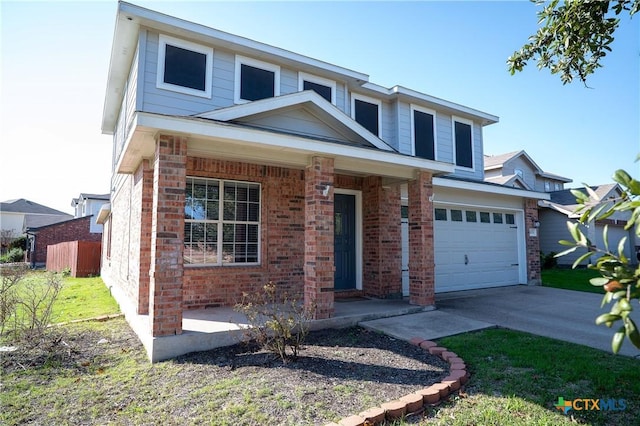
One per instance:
(346, 314)
(206, 329)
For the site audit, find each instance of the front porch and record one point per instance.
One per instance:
(206, 329)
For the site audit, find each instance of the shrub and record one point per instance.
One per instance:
(16, 254)
(26, 306)
(549, 260)
(20, 242)
(277, 322)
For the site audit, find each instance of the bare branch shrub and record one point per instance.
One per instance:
(277, 322)
(27, 305)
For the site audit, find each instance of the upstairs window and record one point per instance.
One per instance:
(184, 67)
(423, 132)
(463, 142)
(322, 86)
(255, 80)
(519, 172)
(367, 112)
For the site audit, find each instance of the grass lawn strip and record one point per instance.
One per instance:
(571, 279)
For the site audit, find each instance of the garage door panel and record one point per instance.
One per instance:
(471, 255)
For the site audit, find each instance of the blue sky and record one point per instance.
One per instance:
(55, 57)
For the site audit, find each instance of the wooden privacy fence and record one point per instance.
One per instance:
(81, 257)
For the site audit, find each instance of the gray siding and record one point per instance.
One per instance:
(389, 126)
(288, 81)
(444, 141)
(529, 175)
(403, 114)
(553, 228)
(297, 121)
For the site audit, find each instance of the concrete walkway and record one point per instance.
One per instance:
(559, 314)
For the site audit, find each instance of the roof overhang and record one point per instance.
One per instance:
(559, 208)
(489, 188)
(214, 139)
(308, 100)
(103, 213)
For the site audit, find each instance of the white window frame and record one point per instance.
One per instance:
(558, 187)
(183, 44)
(243, 60)
(413, 128)
(547, 186)
(303, 76)
(221, 222)
(378, 102)
(455, 119)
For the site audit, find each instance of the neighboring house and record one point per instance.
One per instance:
(518, 170)
(555, 213)
(74, 229)
(237, 163)
(18, 215)
(90, 205)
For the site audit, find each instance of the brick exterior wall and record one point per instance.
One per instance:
(296, 231)
(282, 237)
(70, 230)
(167, 236)
(421, 245)
(382, 270)
(318, 237)
(533, 242)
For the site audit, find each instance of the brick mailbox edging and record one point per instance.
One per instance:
(415, 401)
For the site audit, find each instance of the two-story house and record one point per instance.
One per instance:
(517, 169)
(90, 205)
(236, 163)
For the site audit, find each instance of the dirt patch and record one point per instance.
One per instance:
(103, 366)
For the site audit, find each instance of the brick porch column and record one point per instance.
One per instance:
(145, 176)
(421, 247)
(167, 231)
(382, 245)
(318, 237)
(532, 241)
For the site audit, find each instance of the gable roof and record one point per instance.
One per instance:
(508, 180)
(495, 162)
(34, 222)
(22, 205)
(309, 101)
(565, 202)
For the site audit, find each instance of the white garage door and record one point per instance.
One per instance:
(475, 249)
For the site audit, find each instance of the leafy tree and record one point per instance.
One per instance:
(620, 278)
(574, 36)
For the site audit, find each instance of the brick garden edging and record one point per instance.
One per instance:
(415, 401)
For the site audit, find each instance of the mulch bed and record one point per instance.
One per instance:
(338, 373)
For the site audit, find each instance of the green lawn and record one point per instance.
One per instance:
(517, 379)
(571, 279)
(82, 298)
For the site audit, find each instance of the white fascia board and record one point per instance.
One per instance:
(298, 98)
(556, 207)
(490, 189)
(556, 177)
(484, 118)
(103, 213)
(285, 142)
(125, 42)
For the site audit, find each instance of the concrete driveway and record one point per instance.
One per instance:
(560, 314)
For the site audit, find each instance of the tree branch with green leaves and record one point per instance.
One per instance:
(573, 38)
